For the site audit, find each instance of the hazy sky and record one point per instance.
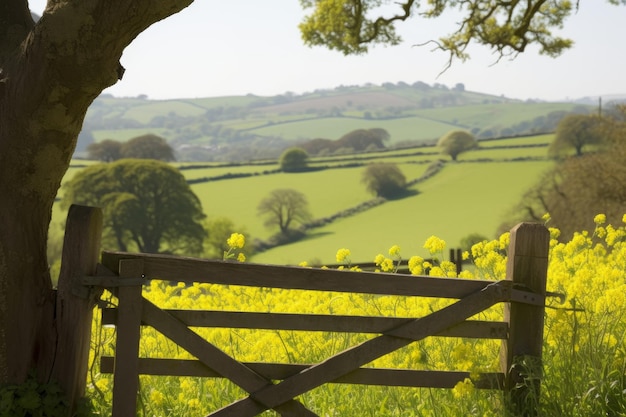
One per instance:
(236, 47)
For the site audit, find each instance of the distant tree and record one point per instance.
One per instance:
(148, 206)
(361, 139)
(577, 189)
(317, 146)
(148, 147)
(384, 180)
(576, 131)
(456, 142)
(459, 87)
(107, 150)
(219, 230)
(284, 207)
(294, 160)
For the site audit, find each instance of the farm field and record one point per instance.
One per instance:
(494, 114)
(462, 199)
(327, 192)
(466, 197)
(400, 130)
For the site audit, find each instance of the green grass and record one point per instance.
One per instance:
(145, 113)
(485, 116)
(462, 199)
(223, 170)
(400, 130)
(504, 153)
(520, 141)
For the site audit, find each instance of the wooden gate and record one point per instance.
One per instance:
(523, 292)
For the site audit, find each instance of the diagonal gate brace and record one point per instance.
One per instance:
(220, 362)
(359, 355)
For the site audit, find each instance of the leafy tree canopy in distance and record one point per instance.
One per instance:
(384, 180)
(456, 142)
(148, 206)
(148, 147)
(576, 131)
(284, 207)
(578, 188)
(294, 160)
(107, 150)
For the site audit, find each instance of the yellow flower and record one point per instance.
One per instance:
(157, 397)
(599, 219)
(394, 250)
(387, 265)
(415, 265)
(303, 264)
(193, 403)
(343, 254)
(236, 241)
(379, 259)
(463, 388)
(434, 245)
(504, 240)
(241, 257)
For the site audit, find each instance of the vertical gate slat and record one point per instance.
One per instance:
(126, 372)
(521, 354)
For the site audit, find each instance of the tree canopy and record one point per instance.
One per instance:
(284, 207)
(141, 147)
(576, 131)
(294, 160)
(456, 142)
(579, 188)
(384, 180)
(148, 205)
(107, 150)
(508, 27)
(148, 147)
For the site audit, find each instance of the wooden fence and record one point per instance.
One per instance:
(522, 292)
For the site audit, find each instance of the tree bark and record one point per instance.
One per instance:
(50, 72)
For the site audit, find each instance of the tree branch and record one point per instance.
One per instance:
(15, 23)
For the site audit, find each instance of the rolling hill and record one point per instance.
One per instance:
(244, 128)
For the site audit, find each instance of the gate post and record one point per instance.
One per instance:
(74, 302)
(520, 357)
(126, 368)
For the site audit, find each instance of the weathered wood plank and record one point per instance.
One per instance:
(174, 268)
(317, 322)
(280, 371)
(527, 267)
(357, 356)
(74, 303)
(126, 373)
(217, 360)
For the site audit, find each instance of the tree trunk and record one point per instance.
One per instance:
(50, 72)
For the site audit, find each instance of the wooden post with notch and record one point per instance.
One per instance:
(521, 353)
(126, 371)
(74, 302)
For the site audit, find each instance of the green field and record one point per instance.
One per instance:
(471, 196)
(400, 130)
(462, 199)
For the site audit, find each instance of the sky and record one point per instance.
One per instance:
(238, 47)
